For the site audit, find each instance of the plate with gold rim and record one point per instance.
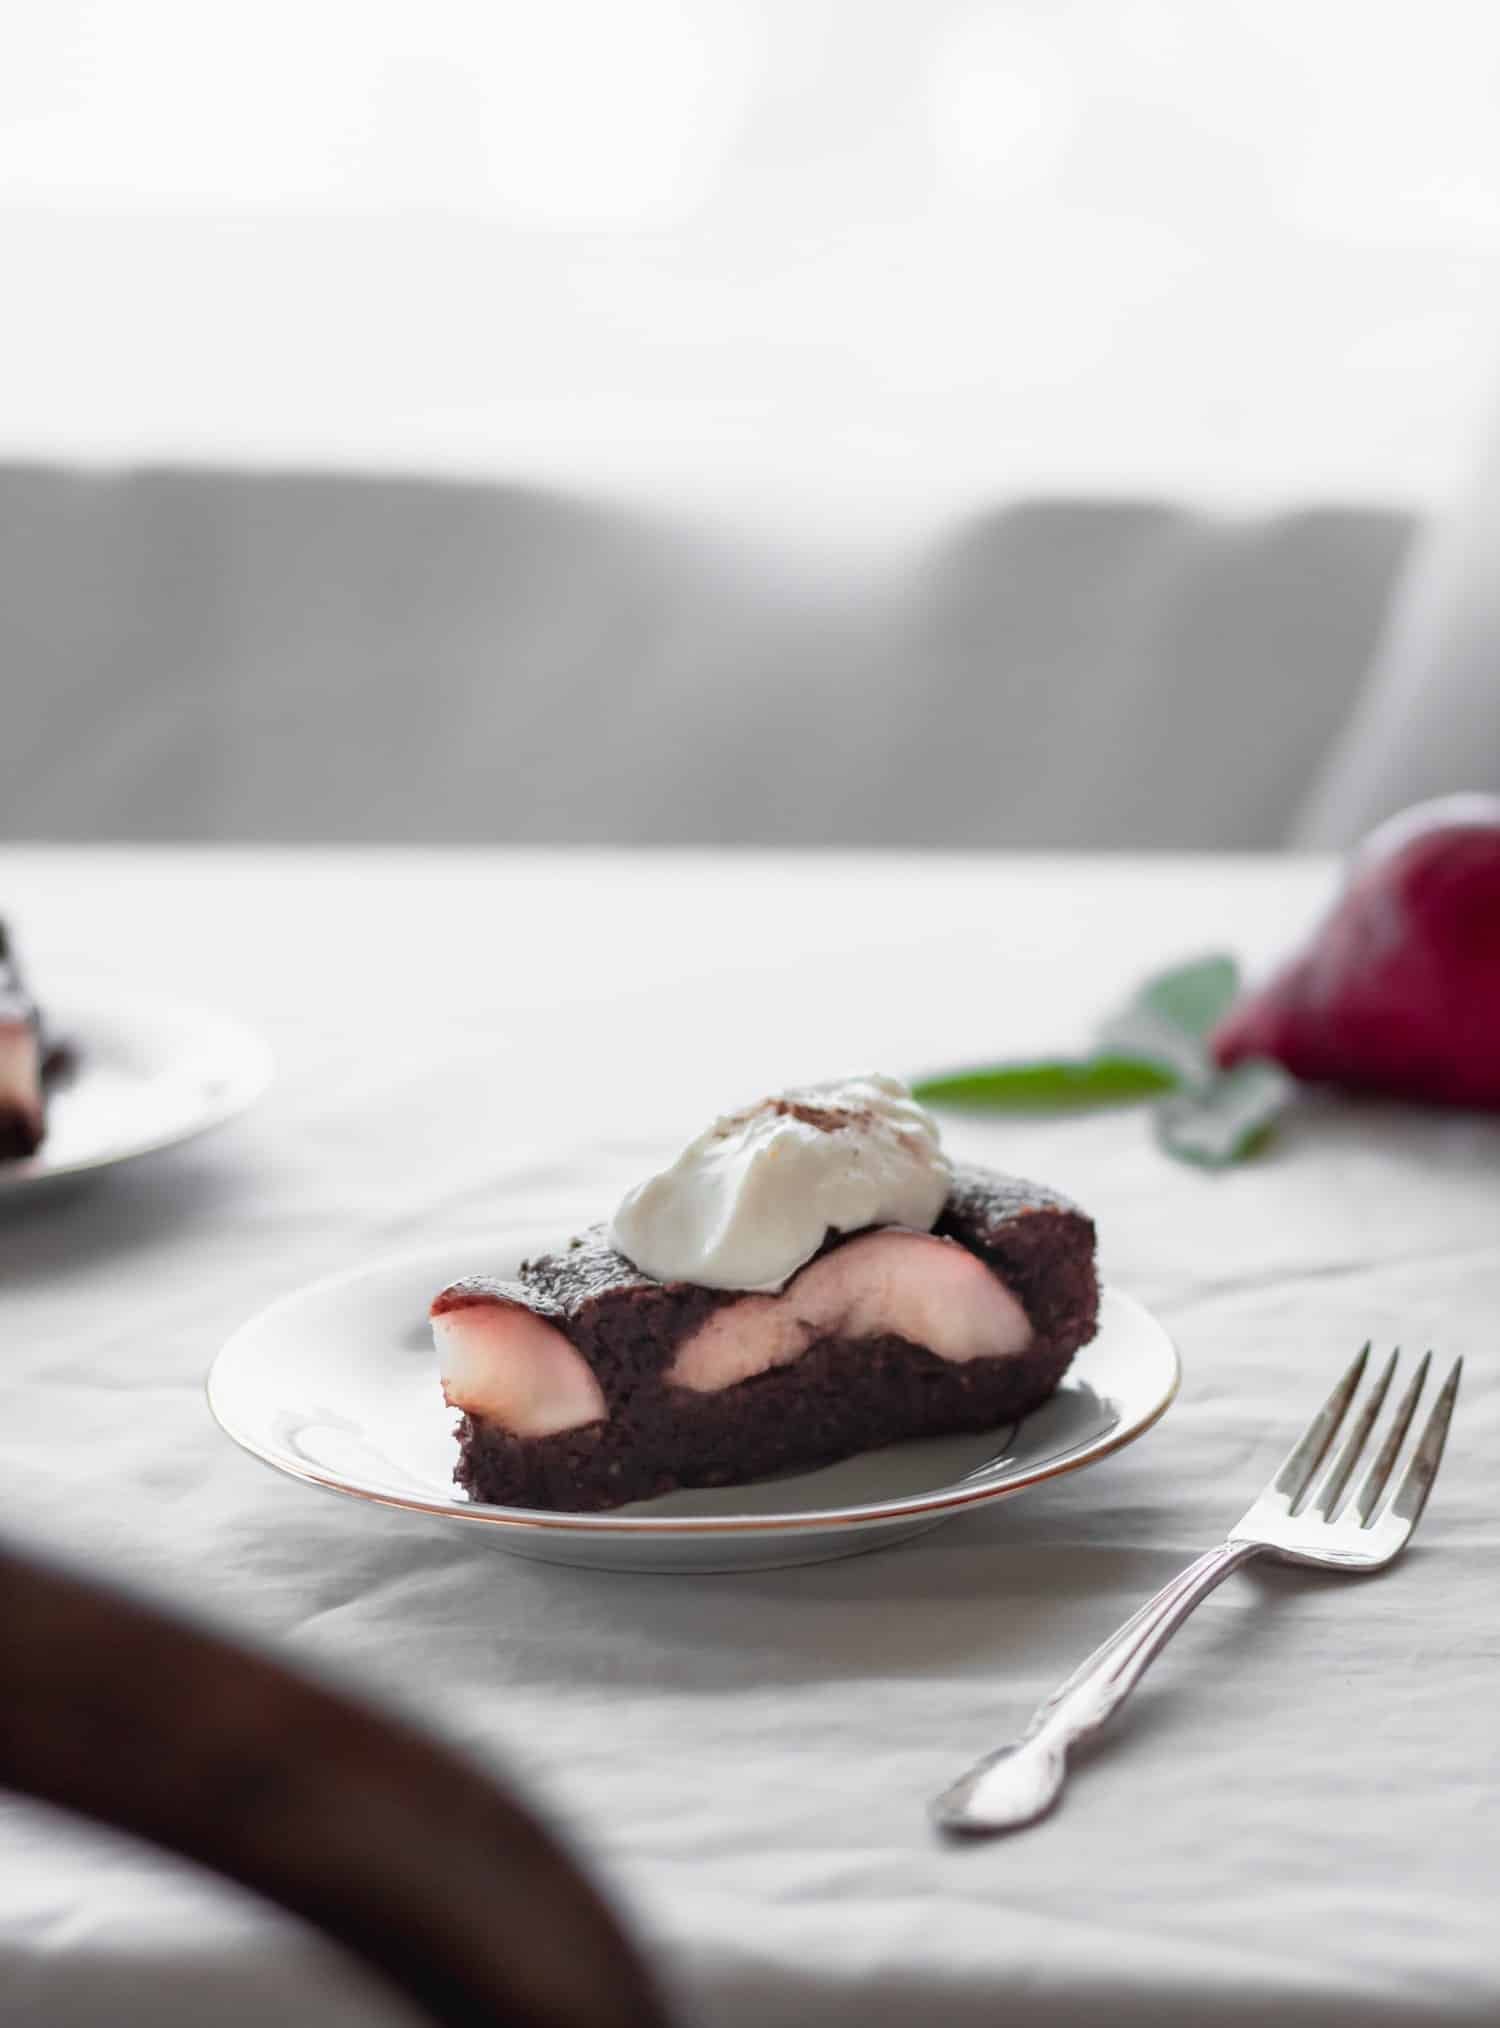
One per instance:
(336, 1385)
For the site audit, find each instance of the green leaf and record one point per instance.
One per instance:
(1226, 1119)
(1153, 1047)
(1194, 996)
(1050, 1085)
(1167, 1020)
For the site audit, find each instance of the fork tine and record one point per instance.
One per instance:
(1411, 1495)
(1342, 1469)
(1373, 1483)
(1296, 1473)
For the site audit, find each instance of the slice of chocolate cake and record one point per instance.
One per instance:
(588, 1381)
(23, 1117)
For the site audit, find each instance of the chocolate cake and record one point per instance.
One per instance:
(23, 1118)
(585, 1383)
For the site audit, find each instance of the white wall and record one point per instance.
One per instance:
(851, 264)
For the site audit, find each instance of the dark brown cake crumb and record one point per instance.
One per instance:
(841, 1396)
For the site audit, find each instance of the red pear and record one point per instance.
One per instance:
(1399, 989)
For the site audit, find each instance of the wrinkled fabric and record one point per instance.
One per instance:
(1296, 1818)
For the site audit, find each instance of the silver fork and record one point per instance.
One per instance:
(1303, 1516)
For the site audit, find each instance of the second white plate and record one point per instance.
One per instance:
(337, 1385)
(150, 1073)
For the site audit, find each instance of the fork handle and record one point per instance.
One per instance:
(1019, 1783)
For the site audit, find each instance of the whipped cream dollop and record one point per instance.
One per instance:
(753, 1197)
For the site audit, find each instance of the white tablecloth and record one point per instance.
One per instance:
(1296, 1821)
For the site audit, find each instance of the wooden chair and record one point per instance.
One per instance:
(413, 1859)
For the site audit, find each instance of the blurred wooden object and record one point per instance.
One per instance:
(383, 1840)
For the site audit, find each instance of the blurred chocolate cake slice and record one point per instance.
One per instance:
(23, 1114)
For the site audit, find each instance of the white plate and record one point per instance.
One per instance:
(150, 1073)
(337, 1384)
